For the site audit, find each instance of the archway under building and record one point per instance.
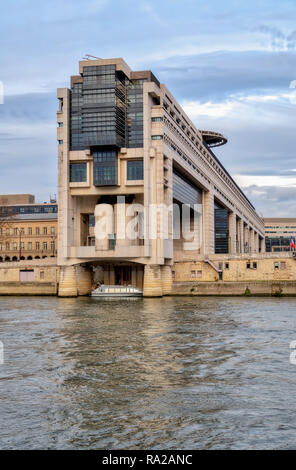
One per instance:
(118, 273)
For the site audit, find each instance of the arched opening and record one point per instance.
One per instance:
(14, 258)
(37, 257)
(29, 258)
(1, 259)
(43, 257)
(22, 258)
(7, 258)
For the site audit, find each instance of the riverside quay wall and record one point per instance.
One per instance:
(257, 274)
(36, 277)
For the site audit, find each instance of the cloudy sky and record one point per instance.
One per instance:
(231, 65)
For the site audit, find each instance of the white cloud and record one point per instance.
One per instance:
(234, 105)
(195, 109)
(265, 180)
(148, 8)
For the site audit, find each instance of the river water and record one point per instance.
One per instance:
(172, 373)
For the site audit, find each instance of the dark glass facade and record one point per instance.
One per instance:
(135, 170)
(30, 209)
(106, 109)
(76, 137)
(105, 167)
(77, 172)
(184, 191)
(106, 113)
(277, 244)
(221, 229)
(135, 113)
(99, 108)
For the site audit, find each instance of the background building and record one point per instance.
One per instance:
(278, 232)
(122, 133)
(28, 230)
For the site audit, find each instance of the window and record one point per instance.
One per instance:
(276, 265)
(173, 275)
(105, 168)
(156, 119)
(77, 172)
(283, 265)
(27, 275)
(60, 124)
(156, 137)
(220, 266)
(7, 231)
(22, 231)
(29, 230)
(254, 265)
(52, 246)
(0, 231)
(37, 245)
(15, 231)
(29, 246)
(199, 274)
(44, 230)
(41, 274)
(60, 142)
(7, 246)
(44, 245)
(226, 265)
(248, 265)
(135, 170)
(0, 246)
(52, 230)
(22, 246)
(14, 246)
(192, 274)
(37, 231)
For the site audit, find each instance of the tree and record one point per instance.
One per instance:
(7, 219)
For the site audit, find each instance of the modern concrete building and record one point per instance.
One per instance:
(122, 134)
(278, 233)
(28, 230)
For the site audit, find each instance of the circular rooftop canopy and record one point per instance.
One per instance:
(213, 139)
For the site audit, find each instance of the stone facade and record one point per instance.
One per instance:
(275, 267)
(37, 277)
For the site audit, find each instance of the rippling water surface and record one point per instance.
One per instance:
(172, 373)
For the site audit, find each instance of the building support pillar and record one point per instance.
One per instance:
(68, 283)
(166, 279)
(241, 236)
(84, 280)
(262, 245)
(246, 239)
(152, 281)
(252, 240)
(232, 233)
(208, 245)
(256, 242)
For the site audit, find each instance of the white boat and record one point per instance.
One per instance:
(116, 291)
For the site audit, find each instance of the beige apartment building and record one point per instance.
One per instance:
(125, 143)
(28, 230)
